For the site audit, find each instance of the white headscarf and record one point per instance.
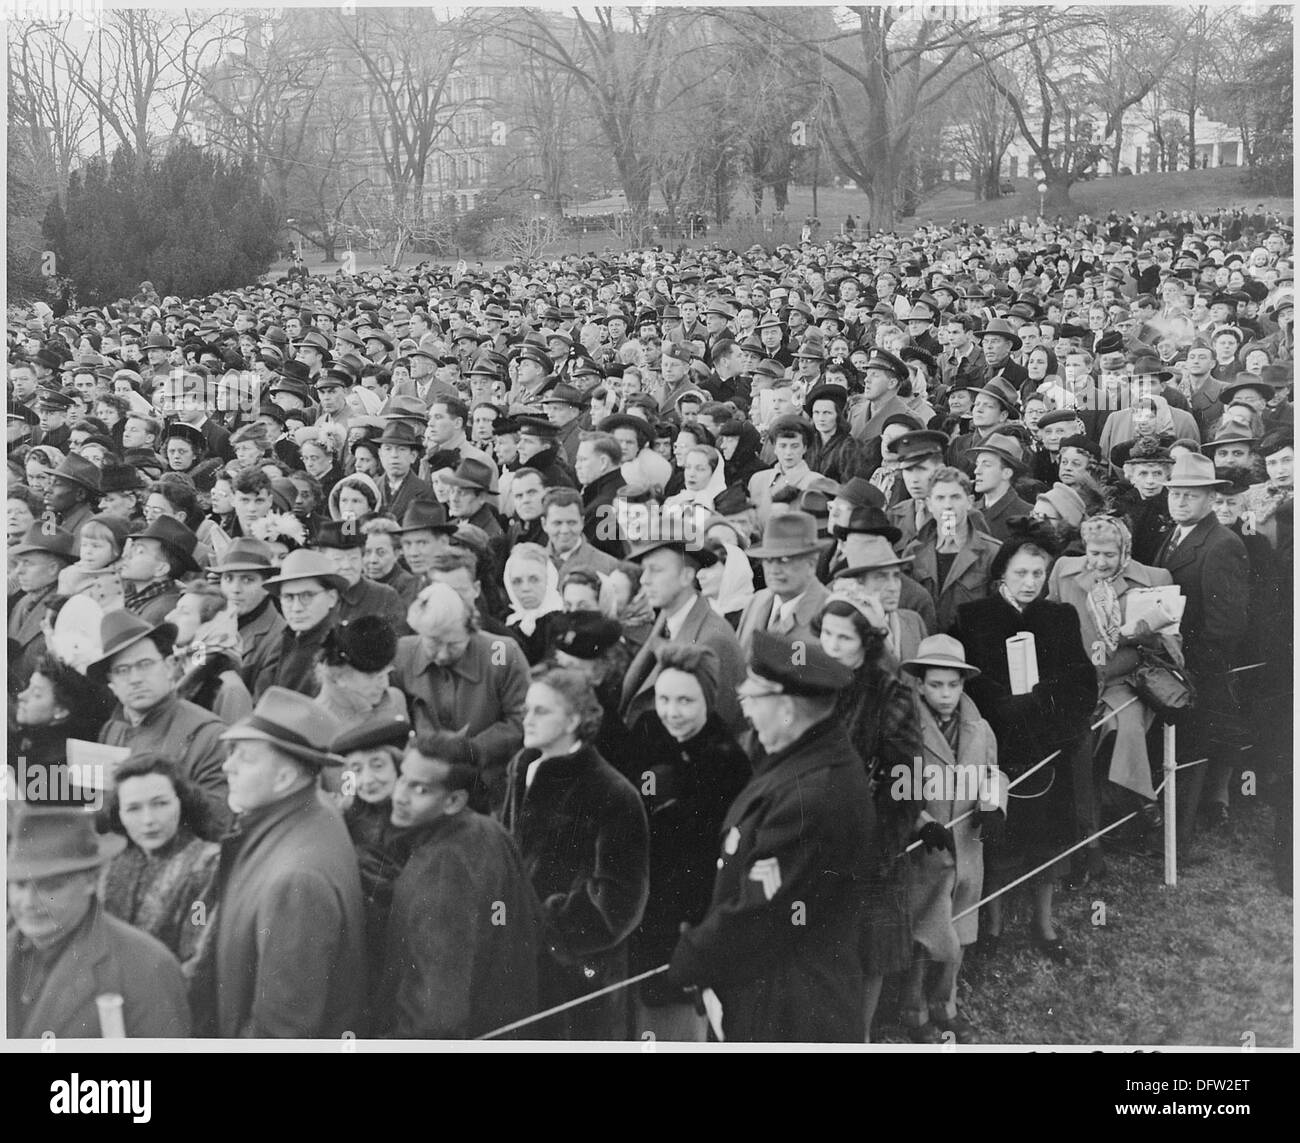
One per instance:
(526, 618)
(737, 586)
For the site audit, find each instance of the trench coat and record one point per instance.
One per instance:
(968, 578)
(942, 885)
(780, 943)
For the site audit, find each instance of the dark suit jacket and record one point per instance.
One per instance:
(997, 516)
(408, 492)
(1211, 568)
(702, 625)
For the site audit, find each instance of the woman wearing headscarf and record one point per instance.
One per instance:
(703, 479)
(879, 714)
(728, 585)
(1095, 584)
(741, 459)
(354, 496)
(533, 585)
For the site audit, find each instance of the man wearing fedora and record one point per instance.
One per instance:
(73, 493)
(244, 570)
(999, 341)
(400, 449)
(308, 590)
(991, 408)
(150, 716)
(65, 952)
(998, 461)
(798, 837)
(287, 959)
(563, 406)
(343, 543)
(152, 562)
(37, 561)
(877, 572)
(793, 597)
(668, 578)
(472, 493)
(1208, 563)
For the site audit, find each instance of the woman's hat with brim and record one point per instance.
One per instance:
(1068, 503)
(939, 651)
(293, 723)
(584, 634)
(48, 841)
(789, 534)
(306, 564)
(1194, 471)
(119, 630)
(836, 394)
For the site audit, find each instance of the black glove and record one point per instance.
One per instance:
(935, 836)
(990, 824)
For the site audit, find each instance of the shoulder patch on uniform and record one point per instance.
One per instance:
(767, 873)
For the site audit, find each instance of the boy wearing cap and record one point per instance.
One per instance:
(960, 776)
(997, 462)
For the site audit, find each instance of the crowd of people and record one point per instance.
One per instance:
(447, 648)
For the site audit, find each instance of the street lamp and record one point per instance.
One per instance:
(1042, 197)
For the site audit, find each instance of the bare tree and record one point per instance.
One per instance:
(619, 58)
(412, 63)
(141, 71)
(43, 102)
(982, 128)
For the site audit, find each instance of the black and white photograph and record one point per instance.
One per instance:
(676, 528)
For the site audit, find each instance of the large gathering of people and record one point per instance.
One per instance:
(447, 647)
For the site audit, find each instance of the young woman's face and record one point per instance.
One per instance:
(841, 641)
(150, 810)
(1024, 577)
(352, 502)
(696, 471)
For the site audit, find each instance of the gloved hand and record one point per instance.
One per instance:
(990, 824)
(935, 836)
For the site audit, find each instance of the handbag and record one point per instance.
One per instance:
(1164, 687)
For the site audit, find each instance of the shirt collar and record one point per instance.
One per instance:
(673, 623)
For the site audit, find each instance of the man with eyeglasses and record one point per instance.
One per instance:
(136, 666)
(309, 590)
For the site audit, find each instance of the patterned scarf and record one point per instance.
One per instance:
(1103, 599)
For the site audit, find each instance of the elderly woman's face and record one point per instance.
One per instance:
(1102, 556)
(315, 460)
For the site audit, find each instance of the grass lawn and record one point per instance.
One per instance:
(1206, 962)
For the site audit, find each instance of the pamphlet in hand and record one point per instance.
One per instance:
(1022, 662)
(1161, 608)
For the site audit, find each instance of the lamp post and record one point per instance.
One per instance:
(1042, 197)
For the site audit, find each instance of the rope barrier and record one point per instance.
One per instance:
(1077, 846)
(1032, 769)
(587, 998)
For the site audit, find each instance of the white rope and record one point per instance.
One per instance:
(1078, 845)
(571, 1003)
(1036, 766)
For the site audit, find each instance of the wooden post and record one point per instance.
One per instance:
(1171, 812)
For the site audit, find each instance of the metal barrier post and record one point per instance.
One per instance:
(1171, 813)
